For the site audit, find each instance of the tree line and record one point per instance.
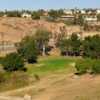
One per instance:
(75, 46)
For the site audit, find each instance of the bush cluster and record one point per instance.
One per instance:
(13, 62)
(88, 66)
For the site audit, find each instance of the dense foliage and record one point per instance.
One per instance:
(91, 47)
(98, 17)
(91, 66)
(42, 38)
(13, 62)
(27, 48)
(55, 13)
(70, 46)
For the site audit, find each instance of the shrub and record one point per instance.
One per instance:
(83, 66)
(88, 65)
(28, 50)
(13, 62)
(91, 47)
(96, 67)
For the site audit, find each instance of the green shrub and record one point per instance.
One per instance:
(83, 66)
(13, 62)
(28, 50)
(88, 65)
(96, 67)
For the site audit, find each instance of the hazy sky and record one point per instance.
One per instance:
(48, 4)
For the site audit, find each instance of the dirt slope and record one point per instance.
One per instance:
(63, 87)
(14, 29)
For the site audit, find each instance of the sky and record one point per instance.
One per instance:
(47, 4)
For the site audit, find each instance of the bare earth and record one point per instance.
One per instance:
(14, 29)
(62, 87)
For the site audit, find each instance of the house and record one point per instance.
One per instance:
(91, 19)
(67, 17)
(26, 15)
(98, 11)
(68, 11)
(89, 12)
(82, 11)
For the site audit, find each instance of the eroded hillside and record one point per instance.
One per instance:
(14, 29)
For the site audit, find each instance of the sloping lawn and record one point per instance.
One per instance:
(50, 64)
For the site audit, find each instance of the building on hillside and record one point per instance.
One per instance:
(26, 15)
(82, 11)
(98, 11)
(89, 12)
(67, 17)
(91, 19)
(68, 11)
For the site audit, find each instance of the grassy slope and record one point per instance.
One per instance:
(58, 83)
(50, 64)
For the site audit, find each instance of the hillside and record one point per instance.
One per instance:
(14, 29)
(57, 82)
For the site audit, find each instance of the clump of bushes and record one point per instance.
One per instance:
(83, 66)
(13, 62)
(96, 67)
(88, 66)
(28, 50)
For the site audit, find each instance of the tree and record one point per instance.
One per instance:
(13, 62)
(27, 48)
(79, 20)
(42, 38)
(91, 47)
(64, 45)
(2, 13)
(55, 13)
(75, 44)
(14, 13)
(36, 15)
(70, 46)
(98, 17)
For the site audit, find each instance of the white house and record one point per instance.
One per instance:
(83, 11)
(26, 15)
(91, 19)
(68, 11)
(98, 11)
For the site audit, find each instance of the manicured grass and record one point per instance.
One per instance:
(50, 64)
